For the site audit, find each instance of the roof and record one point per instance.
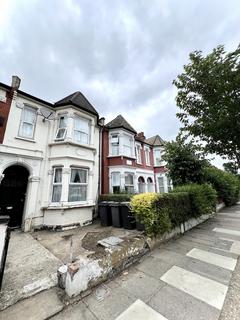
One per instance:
(25, 94)
(120, 122)
(155, 141)
(78, 100)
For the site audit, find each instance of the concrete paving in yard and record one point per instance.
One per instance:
(186, 278)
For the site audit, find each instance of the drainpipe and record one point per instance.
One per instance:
(101, 124)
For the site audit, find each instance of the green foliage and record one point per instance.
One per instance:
(117, 197)
(202, 198)
(155, 221)
(209, 101)
(184, 162)
(178, 204)
(231, 167)
(226, 184)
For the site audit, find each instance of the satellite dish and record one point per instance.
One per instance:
(46, 114)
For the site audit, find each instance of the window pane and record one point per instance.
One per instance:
(115, 179)
(81, 137)
(81, 125)
(116, 189)
(56, 196)
(26, 130)
(115, 149)
(129, 178)
(61, 134)
(77, 193)
(161, 184)
(63, 122)
(29, 115)
(58, 176)
(129, 189)
(78, 176)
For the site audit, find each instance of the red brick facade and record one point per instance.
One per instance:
(4, 112)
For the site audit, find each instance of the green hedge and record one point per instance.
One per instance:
(226, 184)
(162, 212)
(118, 197)
(203, 198)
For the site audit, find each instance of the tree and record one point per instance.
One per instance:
(209, 101)
(231, 167)
(184, 162)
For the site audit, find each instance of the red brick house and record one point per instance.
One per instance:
(130, 162)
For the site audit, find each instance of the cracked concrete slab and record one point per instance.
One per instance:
(30, 268)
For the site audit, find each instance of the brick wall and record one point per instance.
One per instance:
(4, 112)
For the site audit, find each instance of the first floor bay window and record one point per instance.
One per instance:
(127, 146)
(57, 185)
(78, 185)
(81, 130)
(28, 122)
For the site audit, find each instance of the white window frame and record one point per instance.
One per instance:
(26, 107)
(54, 184)
(161, 189)
(138, 149)
(147, 155)
(114, 141)
(126, 185)
(156, 163)
(61, 128)
(77, 117)
(112, 180)
(78, 184)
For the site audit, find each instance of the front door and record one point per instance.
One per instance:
(12, 194)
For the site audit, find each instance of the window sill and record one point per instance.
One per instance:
(67, 142)
(121, 156)
(70, 205)
(25, 139)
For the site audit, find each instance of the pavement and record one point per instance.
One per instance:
(196, 276)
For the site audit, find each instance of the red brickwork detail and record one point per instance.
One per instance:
(4, 112)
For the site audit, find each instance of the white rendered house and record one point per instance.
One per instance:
(49, 159)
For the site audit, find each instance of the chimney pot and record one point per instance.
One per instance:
(15, 82)
(101, 121)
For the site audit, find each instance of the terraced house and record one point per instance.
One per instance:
(131, 162)
(55, 159)
(49, 159)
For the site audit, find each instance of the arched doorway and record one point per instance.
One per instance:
(13, 189)
(150, 186)
(141, 185)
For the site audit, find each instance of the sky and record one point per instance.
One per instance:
(121, 54)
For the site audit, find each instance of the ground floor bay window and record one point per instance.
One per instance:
(76, 185)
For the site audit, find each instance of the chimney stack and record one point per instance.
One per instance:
(15, 82)
(101, 121)
(141, 136)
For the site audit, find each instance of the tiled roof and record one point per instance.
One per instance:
(155, 141)
(78, 100)
(120, 122)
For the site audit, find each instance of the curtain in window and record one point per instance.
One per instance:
(78, 185)
(57, 185)
(28, 122)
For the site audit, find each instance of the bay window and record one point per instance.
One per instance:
(129, 182)
(115, 178)
(81, 130)
(62, 128)
(78, 185)
(28, 122)
(57, 185)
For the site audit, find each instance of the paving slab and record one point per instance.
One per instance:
(117, 301)
(139, 284)
(174, 304)
(39, 307)
(30, 268)
(78, 311)
(153, 267)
